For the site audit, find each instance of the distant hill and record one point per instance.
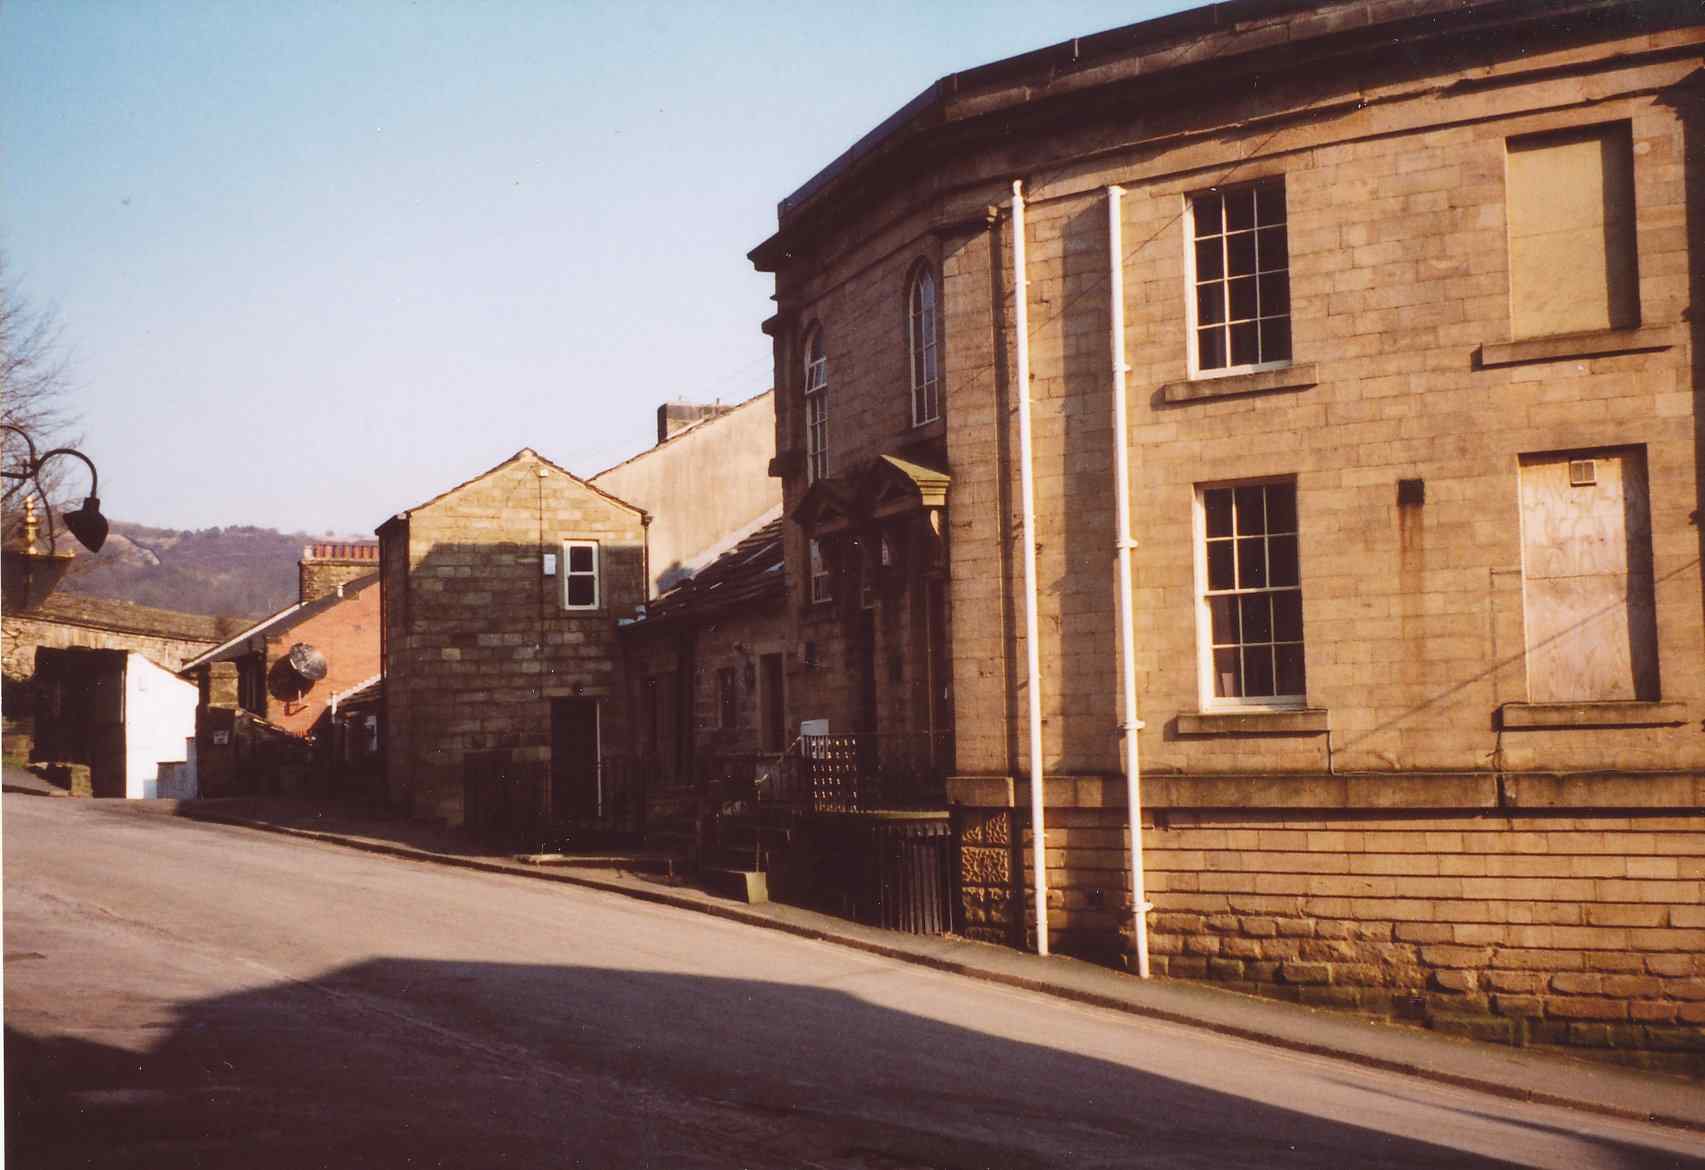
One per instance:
(239, 571)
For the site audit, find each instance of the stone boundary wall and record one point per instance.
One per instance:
(24, 632)
(1577, 929)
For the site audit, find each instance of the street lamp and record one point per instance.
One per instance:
(86, 523)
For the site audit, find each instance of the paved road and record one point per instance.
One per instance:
(180, 994)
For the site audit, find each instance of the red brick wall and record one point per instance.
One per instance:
(347, 633)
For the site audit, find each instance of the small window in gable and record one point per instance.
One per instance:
(921, 340)
(579, 574)
(816, 407)
(1573, 266)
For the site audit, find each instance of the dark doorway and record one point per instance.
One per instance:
(663, 725)
(774, 710)
(575, 791)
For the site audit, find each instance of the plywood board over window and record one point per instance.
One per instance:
(1573, 266)
(1587, 577)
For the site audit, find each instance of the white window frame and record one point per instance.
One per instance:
(921, 345)
(566, 573)
(1193, 339)
(822, 581)
(1204, 620)
(816, 397)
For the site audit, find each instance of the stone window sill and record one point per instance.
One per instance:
(1300, 721)
(1544, 716)
(1601, 343)
(1298, 377)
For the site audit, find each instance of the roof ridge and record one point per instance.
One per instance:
(523, 453)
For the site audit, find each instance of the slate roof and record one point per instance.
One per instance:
(751, 571)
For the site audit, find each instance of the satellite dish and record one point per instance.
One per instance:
(307, 662)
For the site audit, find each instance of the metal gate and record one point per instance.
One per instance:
(914, 875)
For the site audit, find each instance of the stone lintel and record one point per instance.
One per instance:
(1298, 721)
(1598, 343)
(1539, 716)
(1296, 377)
(584, 691)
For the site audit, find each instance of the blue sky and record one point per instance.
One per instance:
(317, 262)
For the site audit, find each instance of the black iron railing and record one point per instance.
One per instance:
(862, 771)
(849, 772)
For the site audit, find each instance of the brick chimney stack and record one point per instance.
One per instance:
(325, 568)
(674, 417)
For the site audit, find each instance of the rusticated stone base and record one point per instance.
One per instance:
(1584, 931)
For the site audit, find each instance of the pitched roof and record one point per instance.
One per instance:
(109, 614)
(362, 693)
(750, 571)
(284, 620)
(523, 453)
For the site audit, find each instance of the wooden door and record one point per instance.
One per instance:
(575, 793)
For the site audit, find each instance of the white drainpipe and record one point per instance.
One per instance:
(1027, 497)
(1130, 724)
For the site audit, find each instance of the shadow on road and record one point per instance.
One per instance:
(395, 1062)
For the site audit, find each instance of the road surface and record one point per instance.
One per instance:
(181, 994)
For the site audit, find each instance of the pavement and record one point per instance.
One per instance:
(1541, 1077)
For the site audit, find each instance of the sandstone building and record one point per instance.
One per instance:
(503, 677)
(513, 603)
(1410, 332)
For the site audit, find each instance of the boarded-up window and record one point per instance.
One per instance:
(1573, 266)
(1587, 577)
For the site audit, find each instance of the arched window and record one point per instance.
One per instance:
(921, 334)
(816, 407)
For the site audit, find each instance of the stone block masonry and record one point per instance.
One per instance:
(1561, 929)
(1427, 830)
(1451, 752)
(1556, 929)
(479, 641)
